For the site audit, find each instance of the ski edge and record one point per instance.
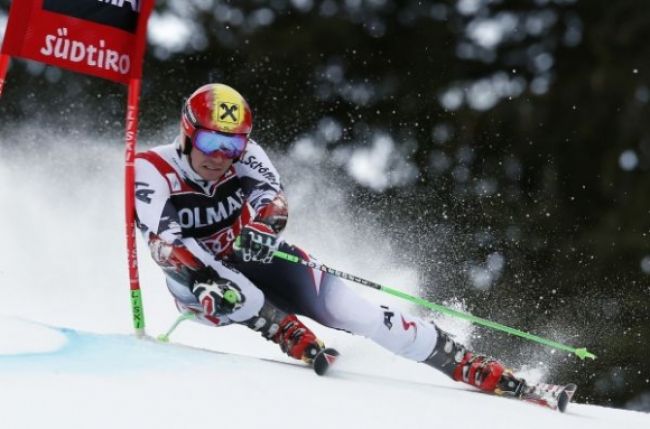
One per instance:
(553, 397)
(324, 359)
(565, 396)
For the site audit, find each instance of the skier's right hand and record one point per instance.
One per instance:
(257, 243)
(218, 296)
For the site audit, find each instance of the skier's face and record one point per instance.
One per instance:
(209, 167)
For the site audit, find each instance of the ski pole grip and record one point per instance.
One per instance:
(286, 256)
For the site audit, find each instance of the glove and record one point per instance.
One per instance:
(218, 297)
(257, 242)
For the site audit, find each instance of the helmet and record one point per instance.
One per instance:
(214, 107)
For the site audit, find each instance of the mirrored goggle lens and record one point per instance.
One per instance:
(213, 143)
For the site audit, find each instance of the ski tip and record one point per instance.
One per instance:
(324, 359)
(565, 396)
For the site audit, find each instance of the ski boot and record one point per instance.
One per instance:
(297, 340)
(293, 337)
(491, 376)
(474, 369)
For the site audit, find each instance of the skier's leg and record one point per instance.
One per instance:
(219, 295)
(341, 307)
(274, 324)
(413, 338)
(329, 301)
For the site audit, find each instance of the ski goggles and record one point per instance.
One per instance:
(213, 143)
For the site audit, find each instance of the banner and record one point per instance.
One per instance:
(103, 38)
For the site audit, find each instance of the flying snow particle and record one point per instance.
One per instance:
(496, 262)
(481, 278)
(452, 99)
(628, 160)
(645, 264)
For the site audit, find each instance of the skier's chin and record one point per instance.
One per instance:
(210, 174)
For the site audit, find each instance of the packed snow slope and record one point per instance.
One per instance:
(67, 358)
(107, 381)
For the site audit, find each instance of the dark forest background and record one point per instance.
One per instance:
(518, 168)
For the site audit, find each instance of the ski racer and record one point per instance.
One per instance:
(211, 207)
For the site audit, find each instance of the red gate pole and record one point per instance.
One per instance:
(4, 66)
(129, 195)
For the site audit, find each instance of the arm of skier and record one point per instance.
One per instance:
(156, 214)
(263, 190)
(184, 259)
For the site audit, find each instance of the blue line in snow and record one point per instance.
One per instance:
(92, 353)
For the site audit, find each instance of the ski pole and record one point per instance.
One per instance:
(164, 338)
(582, 353)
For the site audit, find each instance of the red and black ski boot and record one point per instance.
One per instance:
(293, 337)
(491, 375)
(299, 342)
(479, 371)
(463, 365)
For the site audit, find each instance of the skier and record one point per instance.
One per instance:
(211, 207)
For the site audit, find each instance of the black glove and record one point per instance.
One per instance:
(257, 242)
(217, 296)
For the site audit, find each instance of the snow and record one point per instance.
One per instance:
(108, 381)
(67, 358)
(20, 337)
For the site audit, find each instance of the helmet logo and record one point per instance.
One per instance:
(228, 113)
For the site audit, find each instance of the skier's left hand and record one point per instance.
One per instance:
(257, 242)
(217, 296)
